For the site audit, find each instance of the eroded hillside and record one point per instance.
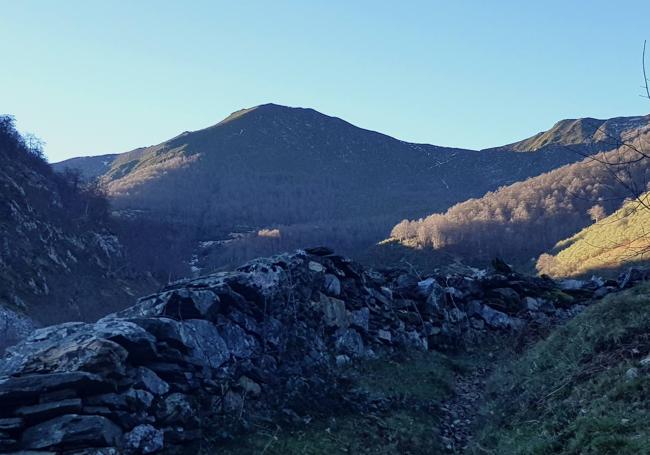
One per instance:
(58, 260)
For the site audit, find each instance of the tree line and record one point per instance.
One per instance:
(523, 220)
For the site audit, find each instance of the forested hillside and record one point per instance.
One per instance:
(523, 220)
(58, 259)
(274, 178)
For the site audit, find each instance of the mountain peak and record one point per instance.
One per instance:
(585, 131)
(268, 108)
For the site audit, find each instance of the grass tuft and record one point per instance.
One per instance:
(573, 393)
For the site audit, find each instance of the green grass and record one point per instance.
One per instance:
(570, 394)
(612, 242)
(401, 415)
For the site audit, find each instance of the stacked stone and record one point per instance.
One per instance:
(268, 339)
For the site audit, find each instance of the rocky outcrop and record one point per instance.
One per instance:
(265, 341)
(58, 259)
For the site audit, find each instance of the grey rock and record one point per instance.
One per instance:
(332, 285)
(406, 284)
(541, 319)
(632, 374)
(176, 409)
(69, 348)
(22, 388)
(531, 304)
(517, 324)
(510, 297)
(111, 400)
(232, 401)
(11, 424)
(633, 275)
(97, 410)
(342, 360)
(163, 329)
(416, 341)
(139, 343)
(334, 312)
(206, 344)
(138, 399)
(473, 308)
(602, 292)
(454, 293)
(435, 301)
(477, 323)
(239, 343)
(265, 275)
(645, 362)
(58, 348)
(360, 319)
(546, 306)
(315, 267)
(184, 304)
(44, 411)
(384, 335)
(148, 380)
(72, 431)
(144, 439)
(430, 329)
(455, 314)
(93, 451)
(495, 318)
(426, 286)
(57, 395)
(350, 343)
(382, 296)
(250, 387)
(572, 285)
(597, 281)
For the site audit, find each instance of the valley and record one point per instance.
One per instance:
(210, 197)
(415, 344)
(324, 228)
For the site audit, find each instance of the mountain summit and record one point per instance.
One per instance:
(301, 175)
(586, 133)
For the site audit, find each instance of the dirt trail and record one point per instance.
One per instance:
(462, 410)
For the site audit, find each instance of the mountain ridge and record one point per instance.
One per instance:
(308, 177)
(607, 133)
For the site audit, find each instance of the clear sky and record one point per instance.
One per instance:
(92, 77)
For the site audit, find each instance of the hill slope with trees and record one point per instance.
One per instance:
(307, 177)
(58, 259)
(521, 221)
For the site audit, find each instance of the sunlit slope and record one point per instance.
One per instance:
(622, 238)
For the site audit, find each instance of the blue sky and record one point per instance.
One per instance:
(93, 77)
